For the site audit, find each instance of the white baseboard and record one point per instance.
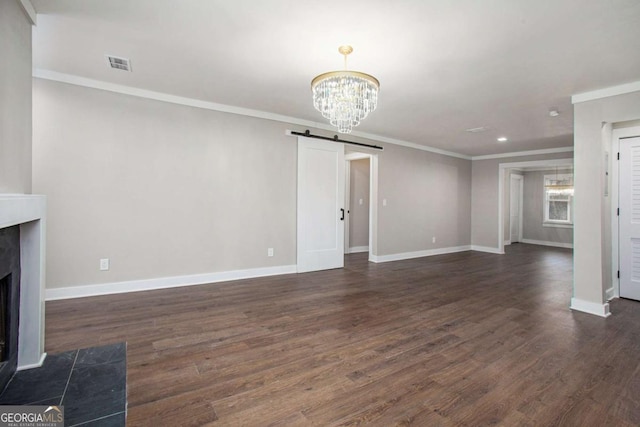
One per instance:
(418, 254)
(486, 249)
(164, 282)
(601, 310)
(610, 294)
(34, 365)
(543, 243)
(358, 249)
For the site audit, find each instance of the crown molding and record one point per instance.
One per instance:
(606, 92)
(524, 153)
(197, 103)
(28, 10)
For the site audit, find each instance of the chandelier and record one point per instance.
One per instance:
(560, 186)
(345, 97)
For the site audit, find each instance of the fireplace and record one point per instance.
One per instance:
(9, 301)
(5, 313)
(22, 255)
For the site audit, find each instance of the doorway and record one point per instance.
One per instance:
(504, 204)
(625, 216)
(322, 207)
(358, 202)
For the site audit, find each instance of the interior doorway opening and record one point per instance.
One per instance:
(360, 178)
(322, 208)
(525, 220)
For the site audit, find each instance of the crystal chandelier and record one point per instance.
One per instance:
(560, 186)
(345, 97)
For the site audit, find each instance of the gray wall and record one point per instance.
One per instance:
(593, 121)
(167, 190)
(15, 99)
(428, 195)
(359, 213)
(533, 211)
(484, 200)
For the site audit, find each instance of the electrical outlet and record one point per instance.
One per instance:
(270, 252)
(433, 239)
(104, 264)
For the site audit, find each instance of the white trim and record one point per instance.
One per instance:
(402, 143)
(601, 310)
(615, 231)
(610, 294)
(33, 365)
(524, 153)
(197, 103)
(356, 156)
(164, 97)
(418, 254)
(501, 168)
(30, 212)
(373, 205)
(537, 169)
(347, 204)
(29, 11)
(164, 282)
(554, 225)
(606, 92)
(520, 179)
(546, 243)
(487, 250)
(616, 135)
(358, 249)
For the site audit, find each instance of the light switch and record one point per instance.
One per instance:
(384, 202)
(360, 201)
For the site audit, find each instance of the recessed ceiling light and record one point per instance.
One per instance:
(502, 139)
(478, 129)
(554, 113)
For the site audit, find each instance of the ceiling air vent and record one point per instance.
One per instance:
(119, 63)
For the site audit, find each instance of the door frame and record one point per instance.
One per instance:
(613, 166)
(502, 167)
(349, 157)
(520, 179)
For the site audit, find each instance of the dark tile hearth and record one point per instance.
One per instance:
(90, 383)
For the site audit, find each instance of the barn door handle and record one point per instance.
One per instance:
(342, 213)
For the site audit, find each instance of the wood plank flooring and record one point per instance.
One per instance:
(465, 339)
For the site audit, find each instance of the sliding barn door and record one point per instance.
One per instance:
(320, 205)
(629, 220)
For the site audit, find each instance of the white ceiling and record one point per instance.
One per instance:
(444, 66)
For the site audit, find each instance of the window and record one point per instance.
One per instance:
(557, 203)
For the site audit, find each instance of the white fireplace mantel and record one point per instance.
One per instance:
(29, 212)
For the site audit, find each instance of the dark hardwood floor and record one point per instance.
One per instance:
(461, 339)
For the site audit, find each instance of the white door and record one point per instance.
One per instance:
(629, 203)
(320, 205)
(515, 209)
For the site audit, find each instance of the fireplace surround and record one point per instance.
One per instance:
(28, 213)
(9, 301)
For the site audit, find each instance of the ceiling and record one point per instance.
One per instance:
(443, 66)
